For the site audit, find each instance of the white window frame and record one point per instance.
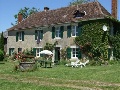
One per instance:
(39, 33)
(74, 30)
(12, 51)
(74, 52)
(38, 52)
(20, 36)
(57, 32)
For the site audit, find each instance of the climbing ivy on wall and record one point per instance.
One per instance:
(93, 41)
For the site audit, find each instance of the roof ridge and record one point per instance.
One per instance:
(100, 7)
(62, 15)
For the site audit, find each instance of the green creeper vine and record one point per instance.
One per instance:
(93, 41)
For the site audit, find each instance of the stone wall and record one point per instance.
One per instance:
(30, 42)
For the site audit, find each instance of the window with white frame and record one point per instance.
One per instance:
(57, 32)
(38, 50)
(11, 51)
(19, 50)
(20, 36)
(74, 31)
(74, 52)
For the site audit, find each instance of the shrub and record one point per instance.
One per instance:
(1, 55)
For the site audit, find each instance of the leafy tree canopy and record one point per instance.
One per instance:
(25, 12)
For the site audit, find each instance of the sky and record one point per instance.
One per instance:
(11, 7)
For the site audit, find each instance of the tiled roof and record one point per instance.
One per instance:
(94, 10)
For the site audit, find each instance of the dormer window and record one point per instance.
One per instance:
(78, 14)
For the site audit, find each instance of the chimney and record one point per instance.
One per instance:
(114, 8)
(20, 17)
(46, 8)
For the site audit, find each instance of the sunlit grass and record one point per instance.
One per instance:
(60, 75)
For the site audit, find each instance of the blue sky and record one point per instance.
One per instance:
(11, 7)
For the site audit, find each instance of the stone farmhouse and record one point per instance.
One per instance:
(48, 26)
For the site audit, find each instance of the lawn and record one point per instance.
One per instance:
(60, 78)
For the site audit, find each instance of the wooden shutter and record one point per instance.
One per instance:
(41, 55)
(9, 51)
(35, 34)
(22, 35)
(109, 53)
(78, 30)
(68, 31)
(17, 36)
(79, 53)
(61, 31)
(41, 34)
(34, 52)
(68, 53)
(53, 32)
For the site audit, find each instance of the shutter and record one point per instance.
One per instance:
(9, 51)
(61, 31)
(41, 55)
(68, 31)
(35, 34)
(109, 53)
(22, 35)
(68, 53)
(41, 34)
(53, 32)
(78, 30)
(17, 36)
(34, 52)
(79, 53)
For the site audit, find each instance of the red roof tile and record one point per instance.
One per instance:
(63, 15)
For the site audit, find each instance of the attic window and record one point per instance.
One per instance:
(78, 14)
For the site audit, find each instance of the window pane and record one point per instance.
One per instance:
(19, 50)
(74, 55)
(57, 31)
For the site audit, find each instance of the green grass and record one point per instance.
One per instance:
(60, 78)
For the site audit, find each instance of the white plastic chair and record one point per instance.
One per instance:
(83, 64)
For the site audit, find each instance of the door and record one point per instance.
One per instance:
(57, 55)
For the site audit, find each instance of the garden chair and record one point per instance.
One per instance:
(81, 64)
(74, 61)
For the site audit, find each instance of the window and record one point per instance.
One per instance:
(11, 51)
(19, 50)
(20, 36)
(74, 52)
(38, 34)
(57, 32)
(78, 14)
(38, 52)
(74, 31)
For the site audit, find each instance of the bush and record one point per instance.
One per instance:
(63, 62)
(1, 55)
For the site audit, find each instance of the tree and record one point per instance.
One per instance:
(25, 12)
(115, 42)
(2, 42)
(75, 2)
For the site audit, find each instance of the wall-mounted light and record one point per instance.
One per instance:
(104, 28)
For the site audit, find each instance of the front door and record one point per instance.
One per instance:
(57, 55)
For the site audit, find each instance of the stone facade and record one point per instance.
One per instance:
(30, 42)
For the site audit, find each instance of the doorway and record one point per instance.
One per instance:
(57, 55)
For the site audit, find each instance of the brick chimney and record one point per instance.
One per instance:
(114, 8)
(46, 8)
(20, 17)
